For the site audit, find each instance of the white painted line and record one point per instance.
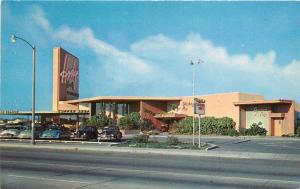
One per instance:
(43, 178)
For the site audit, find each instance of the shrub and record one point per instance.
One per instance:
(183, 126)
(297, 133)
(255, 129)
(131, 121)
(143, 138)
(101, 120)
(209, 125)
(171, 140)
(145, 125)
(225, 125)
(232, 132)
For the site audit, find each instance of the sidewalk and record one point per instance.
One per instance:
(173, 152)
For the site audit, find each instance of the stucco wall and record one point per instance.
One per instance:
(259, 115)
(217, 105)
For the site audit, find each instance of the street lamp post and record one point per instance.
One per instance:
(193, 64)
(14, 39)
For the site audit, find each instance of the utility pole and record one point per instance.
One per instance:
(194, 104)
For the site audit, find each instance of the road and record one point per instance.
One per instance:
(44, 168)
(248, 144)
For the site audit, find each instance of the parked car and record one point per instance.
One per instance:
(110, 133)
(28, 133)
(85, 133)
(2, 127)
(55, 134)
(18, 127)
(10, 133)
(55, 127)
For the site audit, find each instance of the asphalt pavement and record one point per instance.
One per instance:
(46, 168)
(278, 145)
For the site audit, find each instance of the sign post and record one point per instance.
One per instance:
(200, 110)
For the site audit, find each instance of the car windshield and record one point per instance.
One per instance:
(109, 129)
(51, 132)
(10, 131)
(26, 132)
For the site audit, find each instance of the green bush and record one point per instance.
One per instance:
(183, 126)
(143, 138)
(225, 126)
(171, 140)
(101, 120)
(146, 125)
(255, 129)
(209, 125)
(232, 132)
(297, 132)
(130, 121)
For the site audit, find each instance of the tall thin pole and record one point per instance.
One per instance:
(199, 127)
(13, 39)
(33, 95)
(193, 103)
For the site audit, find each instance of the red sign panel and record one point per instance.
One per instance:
(68, 76)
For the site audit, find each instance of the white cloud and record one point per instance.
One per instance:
(39, 17)
(164, 61)
(259, 73)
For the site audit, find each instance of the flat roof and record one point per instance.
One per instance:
(63, 112)
(254, 102)
(122, 99)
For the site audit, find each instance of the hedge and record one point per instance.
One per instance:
(134, 121)
(209, 125)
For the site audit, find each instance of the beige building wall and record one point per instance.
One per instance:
(219, 105)
(56, 55)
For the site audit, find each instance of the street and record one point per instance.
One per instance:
(45, 168)
(246, 144)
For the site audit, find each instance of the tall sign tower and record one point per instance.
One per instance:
(65, 78)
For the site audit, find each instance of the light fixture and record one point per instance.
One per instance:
(13, 38)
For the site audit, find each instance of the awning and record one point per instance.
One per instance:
(169, 116)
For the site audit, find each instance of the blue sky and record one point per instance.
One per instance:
(144, 48)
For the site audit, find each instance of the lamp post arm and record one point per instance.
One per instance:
(25, 41)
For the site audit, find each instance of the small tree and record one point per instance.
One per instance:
(101, 120)
(130, 121)
(134, 121)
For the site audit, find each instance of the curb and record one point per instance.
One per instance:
(216, 154)
(212, 146)
(56, 141)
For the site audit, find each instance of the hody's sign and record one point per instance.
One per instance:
(199, 107)
(68, 76)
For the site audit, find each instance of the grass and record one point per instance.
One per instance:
(162, 145)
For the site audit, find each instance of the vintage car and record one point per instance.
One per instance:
(110, 133)
(85, 133)
(55, 134)
(10, 133)
(28, 133)
(25, 134)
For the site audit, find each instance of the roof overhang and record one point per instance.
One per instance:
(122, 99)
(169, 116)
(257, 102)
(63, 112)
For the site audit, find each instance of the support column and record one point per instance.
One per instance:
(92, 109)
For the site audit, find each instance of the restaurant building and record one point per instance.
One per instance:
(279, 117)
